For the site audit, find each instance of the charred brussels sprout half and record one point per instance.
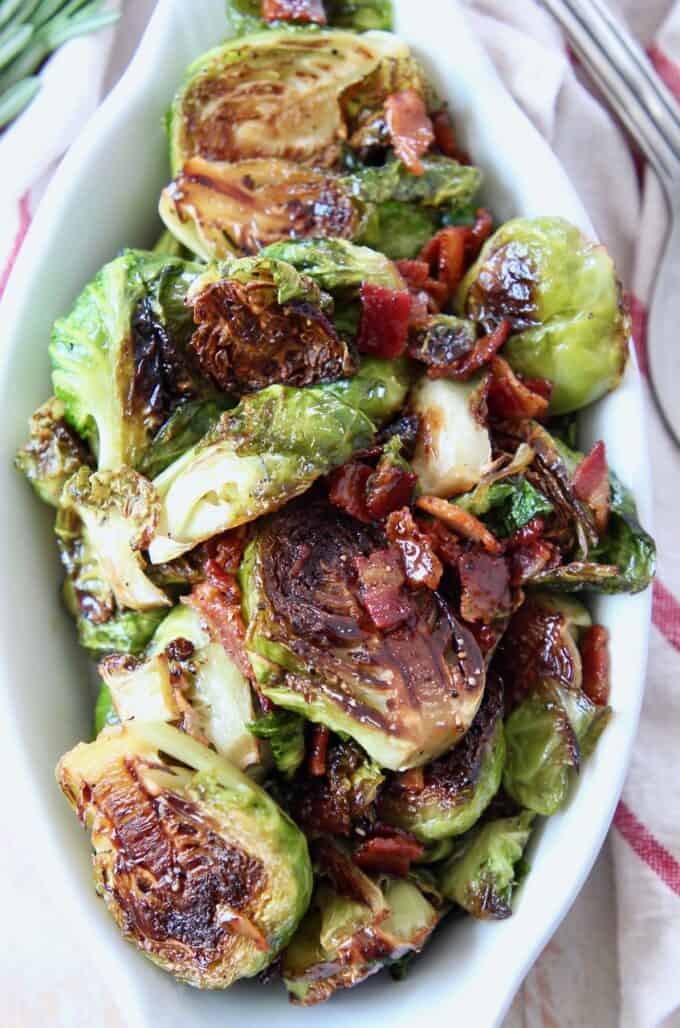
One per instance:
(560, 292)
(269, 449)
(336, 264)
(457, 787)
(405, 693)
(52, 454)
(343, 940)
(196, 864)
(483, 873)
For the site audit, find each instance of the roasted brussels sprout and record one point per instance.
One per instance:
(285, 733)
(482, 875)
(187, 679)
(105, 519)
(126, 631)
(316, 585)
(560, 292)
(118, 360)
(104, 711)
(269, 449)
(52, 454)
(338, 264)
(457, 787)
(360, 15)
(342, 941)
(507, 505)
(187, 424)
(196, 864)
(454, 447)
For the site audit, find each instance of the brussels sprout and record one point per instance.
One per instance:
(405, 694)
(185, 427)
(457, 787)
(453, 447)
(104, 711)
(270, 448)
(360, 15)
(196, 864)
(127, 631)
(106, 518)
(275, 94)
(52, 454)
(444, 183)
(117, 359)
(560, 292)
(482, 877)
(285, 733)
(507, 505)
(546, 736)
(399, 230)
(337, 263)
(188, 679)
(342, 941)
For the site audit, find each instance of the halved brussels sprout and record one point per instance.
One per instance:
(454, 447)
(52, 454)
(274, 94)
(196, 864)
(406, 692)
(482, 875)
(127, 631)
(269, 449)
(183, 429)
(336, 264)
(457, 787)
(561, 294)
(342, 941)
(188, 679)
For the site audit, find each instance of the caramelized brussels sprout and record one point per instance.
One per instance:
(196, 864)
(52, 454)
(338, 264)
(560, 292)
(183, 429)
(457, 787)
(407, 691)
(482, 875)
(125, 631)
(285, 733)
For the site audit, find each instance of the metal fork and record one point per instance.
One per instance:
(651, 114)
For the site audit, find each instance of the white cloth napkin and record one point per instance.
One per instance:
(610, 963)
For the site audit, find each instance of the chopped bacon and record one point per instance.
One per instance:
(461, 521)
(421, 563)
(294, 10)
(421, 308)
(446, 545)
(479, 233)
(221, 610)
(487, 636)
(226, 549)
(528, 533)
(445, 135)
(381, 593)
(594, 646)
(469, 364)
(527, 559)
(541, 386)
(414, 273)
(591, 484)
(389, 488)
(385, 315)
(445, 255)
(485, 587)
(409, 127)
(348, 489)
(393, 855)
(511, 398)
(316, 761)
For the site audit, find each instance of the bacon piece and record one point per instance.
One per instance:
(591, 484)
(294, 10)
(528, 533)
(348, 489)
(393, 855)
(227, 549)
(529, 558)
(594, 646)
(511, 398)
(415, 273)
(389, 488)
(446, 545)
(445, 135)
(381, 581)
(445, 255)
(479, 233)
(485, 587)
(461, 521)
(385, 314)
(483, 351)
(316, 761)
(421, 564)
(409, 127)
(222, 612)
(487, 636)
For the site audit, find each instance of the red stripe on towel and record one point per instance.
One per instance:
(24, 222)
(647, 848)
(638, 317)
(667, 69)
(666, 613)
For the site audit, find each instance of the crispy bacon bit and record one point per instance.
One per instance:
(594, 646)
(591, 484)
(528, 533)
(381, 593)
(385, 314)
(388, 488)
(528, 560)
(485, 587)
(444, 135)
(393, 854)
(414, 273)
(294, 10)
(221, 610)
(445, 256)
(227, 549)
(348, 489)
(461, 521)
(447, 546)
(511, 398)
(487, 636)
(409, 127)
(421, 564)
(479, 233)
(469, 364)
(316, 761)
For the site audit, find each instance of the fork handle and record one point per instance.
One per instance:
(627, 79)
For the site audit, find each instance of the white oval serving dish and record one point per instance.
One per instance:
(102, 198)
